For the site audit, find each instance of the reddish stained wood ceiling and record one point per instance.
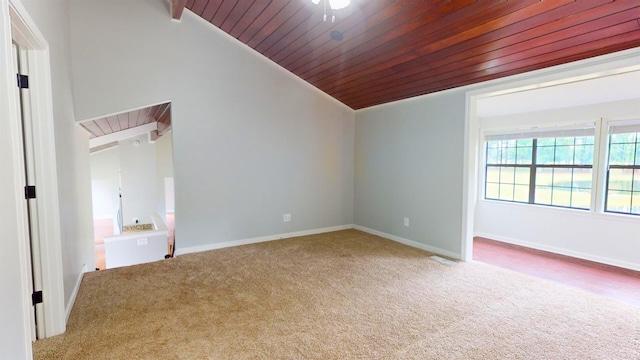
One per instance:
(394, 50)
(107, 125)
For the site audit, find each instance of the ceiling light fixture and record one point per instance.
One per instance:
(334, 5)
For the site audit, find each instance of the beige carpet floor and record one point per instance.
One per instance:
(341, 295)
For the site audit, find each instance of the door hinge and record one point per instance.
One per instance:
(23, 81)
(36, 297)
(29, 192)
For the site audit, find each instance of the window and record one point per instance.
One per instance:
(548, 167)
(509, 169)
(555, 167)
(623, 175)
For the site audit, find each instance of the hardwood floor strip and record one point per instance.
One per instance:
(601, 279)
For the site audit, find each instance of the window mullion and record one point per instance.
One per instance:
(553, 170)
(633, 173)
(600, 177)
(532, 172)
(573, 169)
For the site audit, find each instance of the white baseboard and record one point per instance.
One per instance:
(575, 254)
(415, 244)
(214, 246)
(256, 240)
(74, 294)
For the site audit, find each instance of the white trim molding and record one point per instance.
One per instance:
(561, 251)
(226, 244)
(15, 309)
(41, 99)
(74, 294)
(412, 243)
(47, 182)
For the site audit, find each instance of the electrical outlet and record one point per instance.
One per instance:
(143, 241)
(406, 221)
(136, 220)
(286, 217)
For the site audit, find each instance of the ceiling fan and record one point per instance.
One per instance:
(334, 5)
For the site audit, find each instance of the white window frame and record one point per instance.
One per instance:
(600, 167)
(605, 131)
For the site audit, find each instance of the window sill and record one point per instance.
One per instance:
(564, 211)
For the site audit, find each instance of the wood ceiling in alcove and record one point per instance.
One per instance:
(393, 50)
(160, 113)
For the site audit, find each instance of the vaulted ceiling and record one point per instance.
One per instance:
(392, 50)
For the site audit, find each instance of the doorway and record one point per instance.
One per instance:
(593, 68)
(19, 36)
(28, 156)
(131, 160)
(532, 238)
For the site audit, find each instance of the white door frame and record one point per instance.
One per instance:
(15, 333)
(600, 66)
(18, 25)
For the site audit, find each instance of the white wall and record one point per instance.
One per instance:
(251, 141)
(139, 167)
(616, 110)
(164, 168)
(607, 238)
(138, 176)
(72, 154)
(169, 196)
(412, 157)
(105, 182)
(409, 158)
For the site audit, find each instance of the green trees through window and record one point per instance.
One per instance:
(556, 168)
(623, 177)
(548, 171)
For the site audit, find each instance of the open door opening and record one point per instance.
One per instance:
(28, 158)
(538, 172)
(35, 270)
(132, 185)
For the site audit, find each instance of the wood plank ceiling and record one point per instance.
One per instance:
(394, 50)
(108, 125)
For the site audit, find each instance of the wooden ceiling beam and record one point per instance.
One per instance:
(177, 7)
